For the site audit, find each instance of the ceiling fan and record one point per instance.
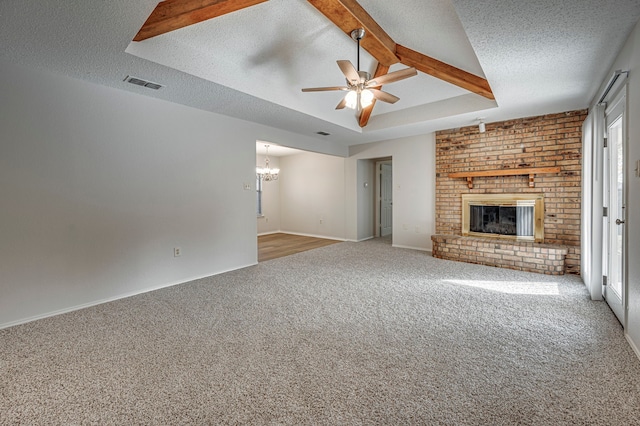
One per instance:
(361, 89)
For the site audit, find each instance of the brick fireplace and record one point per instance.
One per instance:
(534, 157)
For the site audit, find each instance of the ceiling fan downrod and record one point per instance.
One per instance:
(357, 35)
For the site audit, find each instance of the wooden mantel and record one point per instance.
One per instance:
(531, 171)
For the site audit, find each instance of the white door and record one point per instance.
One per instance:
(386, 200)
(614, 227)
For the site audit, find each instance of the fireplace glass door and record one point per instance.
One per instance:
(508, 216)
(517, 221)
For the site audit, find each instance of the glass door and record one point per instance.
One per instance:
(614, 235)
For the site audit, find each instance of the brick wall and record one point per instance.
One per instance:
(544, 141)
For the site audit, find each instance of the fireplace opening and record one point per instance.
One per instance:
(511, 216)
(502, 220)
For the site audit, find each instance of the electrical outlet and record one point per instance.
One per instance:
(177, 252)
(247, 186)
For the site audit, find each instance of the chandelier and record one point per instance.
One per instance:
(266, 173)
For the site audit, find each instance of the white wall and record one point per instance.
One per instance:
(312, 197)
(269, 222)
(413, 189)
(99, 185)
(629, 59)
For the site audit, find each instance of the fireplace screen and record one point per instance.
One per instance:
(512, 216)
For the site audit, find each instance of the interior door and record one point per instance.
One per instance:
(386, 200)
(614, 291)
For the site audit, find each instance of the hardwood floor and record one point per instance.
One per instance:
(273, 246)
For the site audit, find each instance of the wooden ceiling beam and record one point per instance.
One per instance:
(348, 15)
(171, 15)
(365, 114)
(446, 72)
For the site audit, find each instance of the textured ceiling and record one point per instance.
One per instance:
(539, 56)
(274, 49)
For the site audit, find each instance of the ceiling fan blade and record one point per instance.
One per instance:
(384, 96)
(342, 104)
(392, 76)
(324, 89)
(349, 71)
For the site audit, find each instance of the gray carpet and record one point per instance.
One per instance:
(353, 333)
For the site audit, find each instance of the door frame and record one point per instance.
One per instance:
(378, 201)
(616, 108)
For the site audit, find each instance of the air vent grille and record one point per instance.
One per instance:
(144, 83)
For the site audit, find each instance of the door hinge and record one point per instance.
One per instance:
(605, 212)
(604, 280)
(606, 144)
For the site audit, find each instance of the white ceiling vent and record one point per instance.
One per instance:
(140, 82)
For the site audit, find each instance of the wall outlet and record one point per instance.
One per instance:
(177, 252)
(247, 186)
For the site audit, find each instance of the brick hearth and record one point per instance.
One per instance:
(523, 256)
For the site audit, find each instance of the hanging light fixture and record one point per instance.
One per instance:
(266, 173)
(359, 96)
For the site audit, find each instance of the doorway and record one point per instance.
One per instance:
(614, 231)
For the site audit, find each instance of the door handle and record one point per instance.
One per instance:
(619, 222)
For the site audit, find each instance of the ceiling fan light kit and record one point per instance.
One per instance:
(359, 99)
(361, 90)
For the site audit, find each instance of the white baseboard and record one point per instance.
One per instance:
(110, 299)
(312, 235)
(410, 247)
(633, 345)
(269, 233)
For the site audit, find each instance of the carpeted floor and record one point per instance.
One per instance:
(352, 333)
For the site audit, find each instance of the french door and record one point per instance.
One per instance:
(614, 291)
